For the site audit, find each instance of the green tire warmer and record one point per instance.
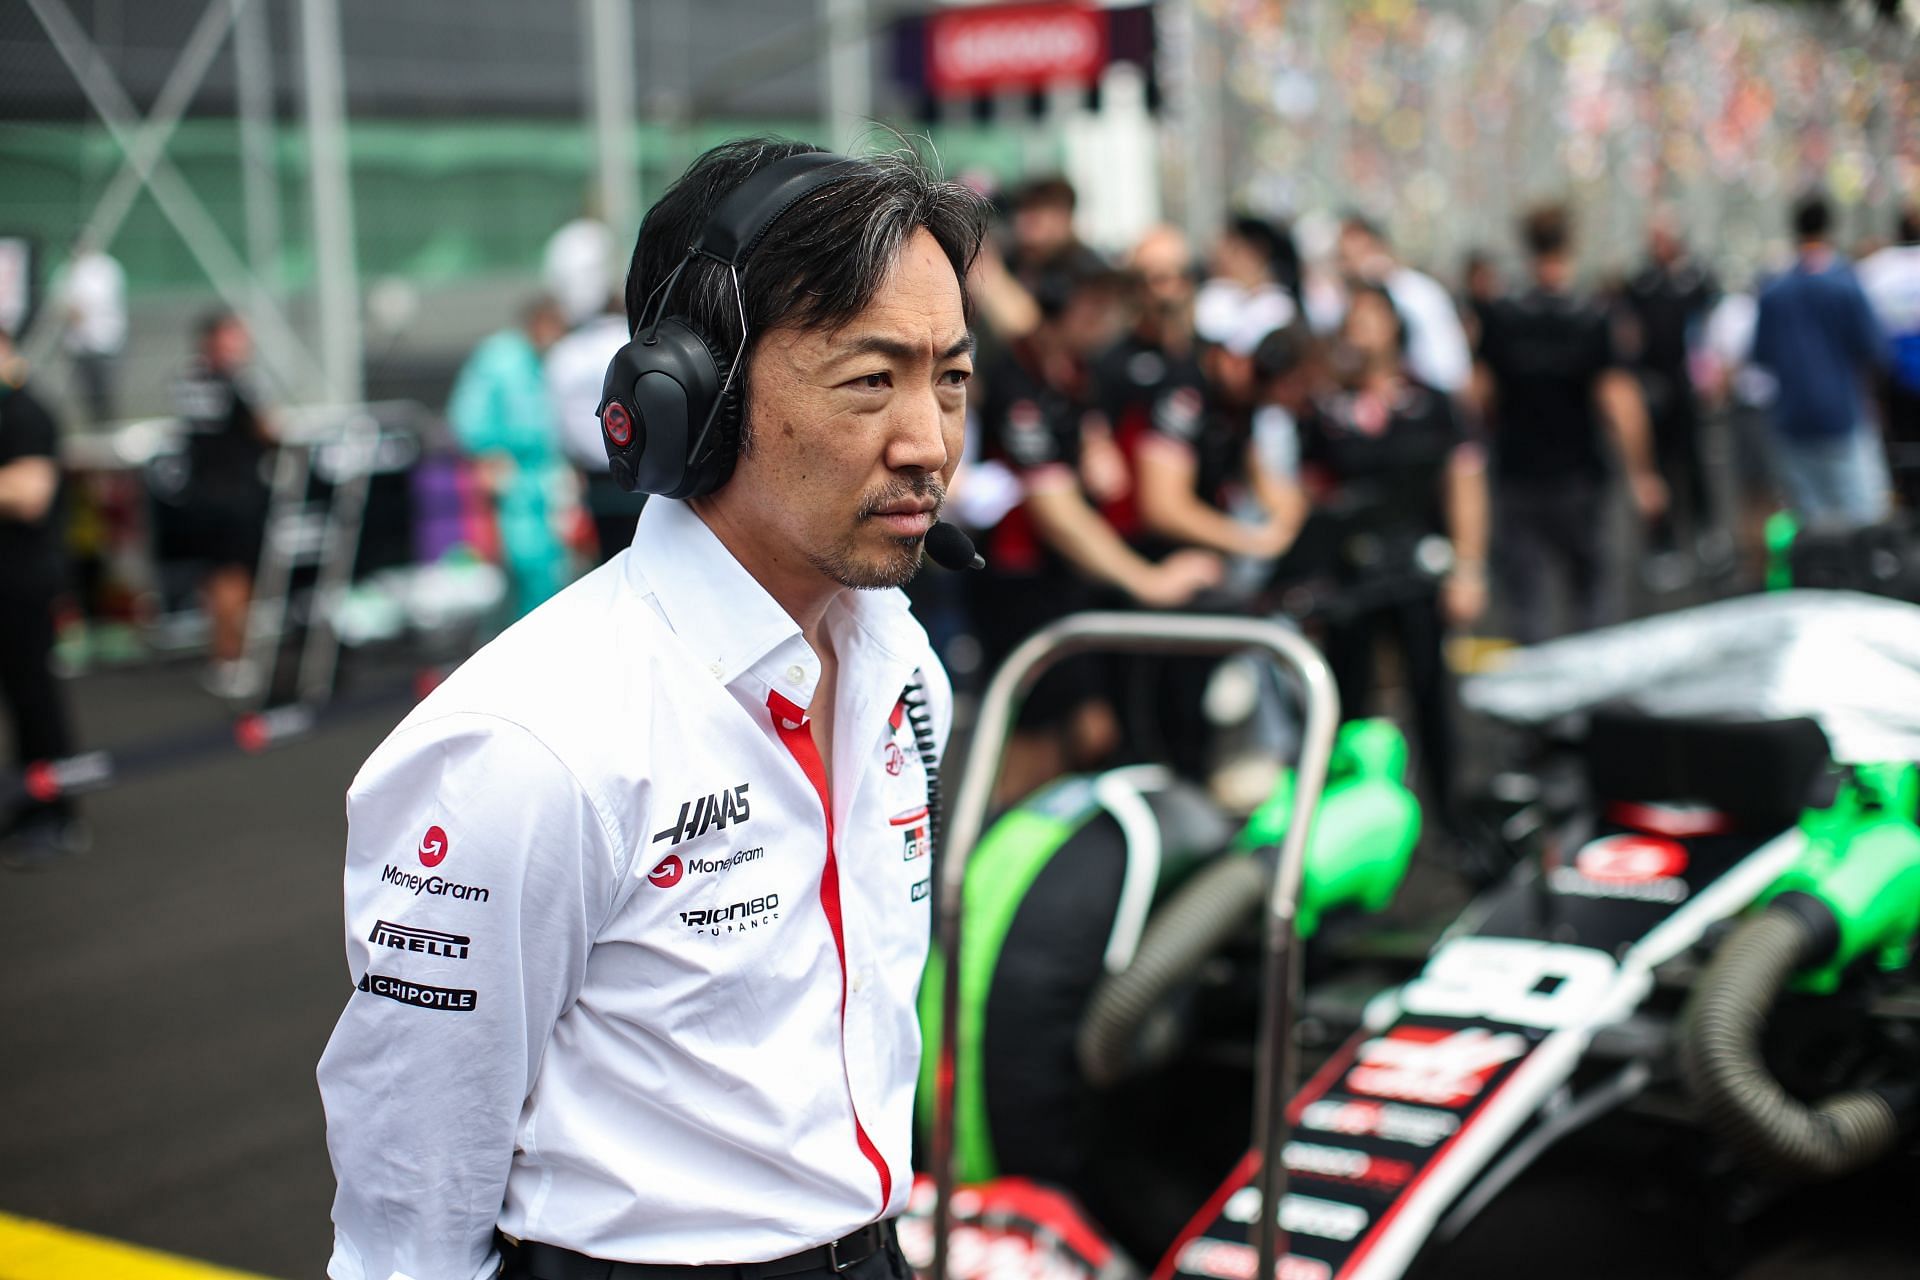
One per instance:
(1853, 896)
(1019, 890)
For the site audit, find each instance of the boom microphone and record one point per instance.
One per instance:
(951, 549)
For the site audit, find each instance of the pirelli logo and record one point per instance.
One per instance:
(430, 942)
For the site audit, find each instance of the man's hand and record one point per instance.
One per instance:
(1177, 579)
(1649, 494)
(1269, 539)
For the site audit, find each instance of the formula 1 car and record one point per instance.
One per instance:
(1712, 920)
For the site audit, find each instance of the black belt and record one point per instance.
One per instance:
(550, 1262)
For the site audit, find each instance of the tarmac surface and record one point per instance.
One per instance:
(169, 993)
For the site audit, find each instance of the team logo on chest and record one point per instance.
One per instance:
(707, 813)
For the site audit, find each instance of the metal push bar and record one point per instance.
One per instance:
(1163, 634)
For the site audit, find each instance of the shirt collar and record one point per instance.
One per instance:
(730, 623)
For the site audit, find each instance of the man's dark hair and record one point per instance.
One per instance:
(1547, 230)
(1266, 239)
(1049, 192)
(1282, 351)
(1906, 227)
(1812, 217)
(820, 262)
(1378, 292)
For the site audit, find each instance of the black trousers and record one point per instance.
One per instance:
(36, 706)
(887, 1264)
(1546, 527)
(1676, 451)
(1419, 633)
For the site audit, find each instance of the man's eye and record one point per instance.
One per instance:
(873, 381)
(957, 377)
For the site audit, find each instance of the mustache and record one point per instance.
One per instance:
(920, 487)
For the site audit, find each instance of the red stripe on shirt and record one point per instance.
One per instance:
(790, 722)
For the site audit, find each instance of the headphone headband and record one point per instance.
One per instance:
(746, 212)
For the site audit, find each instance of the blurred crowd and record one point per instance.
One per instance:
(1297, 425)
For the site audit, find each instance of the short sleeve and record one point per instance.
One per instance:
(1178, 413)
(26, 429)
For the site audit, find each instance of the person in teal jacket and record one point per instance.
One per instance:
(502, 416)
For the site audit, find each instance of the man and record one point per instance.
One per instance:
(638, 899)
(576, 367)
(1891, 279)
(1059, 549)
(228, 441)
(1398, 459)
(37, 831)
(1549, 380)
(1437, 351)
(1253, 280)
(1816, 333)
(501, 415)
(1199, 479)
(93, 293)
(1666, 304)
(1044, 239)
(1157, 349)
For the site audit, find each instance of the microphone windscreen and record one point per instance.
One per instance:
(949, 548)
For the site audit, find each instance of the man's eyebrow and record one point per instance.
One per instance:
(875, 344)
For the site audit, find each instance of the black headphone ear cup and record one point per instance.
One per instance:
(715, 465)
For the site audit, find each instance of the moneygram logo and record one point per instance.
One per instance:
(433, 847)
(1633, 868)
(433, 886)
(671, 870)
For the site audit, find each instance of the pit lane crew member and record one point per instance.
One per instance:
(637, 902)
(1059, 551)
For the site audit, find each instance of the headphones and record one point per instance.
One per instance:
(668, 417)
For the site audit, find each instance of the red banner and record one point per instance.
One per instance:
(1022, 46)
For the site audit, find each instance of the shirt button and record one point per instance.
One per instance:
(856, 982)
(714, 669)
(796, 673)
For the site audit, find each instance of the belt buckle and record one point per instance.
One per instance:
(833, 1258)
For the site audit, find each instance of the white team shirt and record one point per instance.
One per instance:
(623, 982)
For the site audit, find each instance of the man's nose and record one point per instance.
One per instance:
(918, 441)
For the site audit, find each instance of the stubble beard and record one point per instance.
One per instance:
(894, 567)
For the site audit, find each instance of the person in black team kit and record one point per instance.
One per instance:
(1056, 552)
(1547, 377)
(37, 828)
(1664, 303)
(1394, 448)
(227, 491)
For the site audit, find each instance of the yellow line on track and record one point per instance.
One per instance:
(32, 1250)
